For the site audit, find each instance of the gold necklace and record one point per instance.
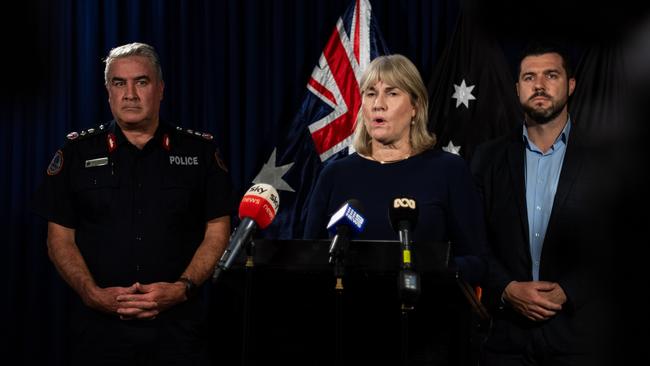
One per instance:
(389, 161)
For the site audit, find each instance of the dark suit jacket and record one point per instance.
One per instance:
(568, 254)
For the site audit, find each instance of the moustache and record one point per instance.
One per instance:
(539, 93)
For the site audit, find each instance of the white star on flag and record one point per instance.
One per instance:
(271, 174)
(451, 148)
(463, 94)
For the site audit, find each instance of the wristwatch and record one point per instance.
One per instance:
(190, 287)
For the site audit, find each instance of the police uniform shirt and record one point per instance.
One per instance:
(138, 215)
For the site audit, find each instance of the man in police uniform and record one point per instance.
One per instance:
(138, 215)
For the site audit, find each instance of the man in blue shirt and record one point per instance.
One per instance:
(533, 182)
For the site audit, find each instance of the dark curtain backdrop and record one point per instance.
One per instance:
(234, 68)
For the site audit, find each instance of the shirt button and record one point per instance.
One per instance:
(538, 208)
(537, 235)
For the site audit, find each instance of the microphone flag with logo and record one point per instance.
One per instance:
(257, 209)
(345, 222)
(403, 213)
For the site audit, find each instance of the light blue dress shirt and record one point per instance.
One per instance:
(542, 176)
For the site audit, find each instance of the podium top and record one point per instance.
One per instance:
(362, 255)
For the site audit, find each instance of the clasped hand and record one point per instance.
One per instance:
(138, 301)
(147, 301)
(536, 300)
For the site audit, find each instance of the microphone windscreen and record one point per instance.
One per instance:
(260, 203)
(350, 214)
(403, 209)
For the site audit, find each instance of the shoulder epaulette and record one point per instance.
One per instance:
(203, 135)
(83, 134)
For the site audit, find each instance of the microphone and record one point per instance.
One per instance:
(257, 209)
(403, 214)
(345, 222)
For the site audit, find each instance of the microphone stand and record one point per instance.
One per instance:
(404, 355)
(237, 240)
(338, 249)
(248, 270)
(409, 288)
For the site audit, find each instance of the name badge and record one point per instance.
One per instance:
(96, 162)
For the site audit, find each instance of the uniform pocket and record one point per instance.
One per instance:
(96, 191)
(177, 194)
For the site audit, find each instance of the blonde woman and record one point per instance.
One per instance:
(395, 158)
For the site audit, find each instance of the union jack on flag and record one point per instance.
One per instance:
(322, 129)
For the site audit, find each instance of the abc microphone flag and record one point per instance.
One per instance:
(403, 214)
(258, 208)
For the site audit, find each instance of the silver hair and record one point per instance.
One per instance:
(133, 49)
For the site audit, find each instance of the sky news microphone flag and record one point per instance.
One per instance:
(322, 129)
(257, 209)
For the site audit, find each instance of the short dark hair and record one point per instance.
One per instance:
(537, 48)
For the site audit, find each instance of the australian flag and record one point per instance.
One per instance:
(323, 127)
(472, 90)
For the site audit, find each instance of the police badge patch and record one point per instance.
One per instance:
(56, 164)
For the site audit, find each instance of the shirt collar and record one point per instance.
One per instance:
(562, 138)
(121, 139)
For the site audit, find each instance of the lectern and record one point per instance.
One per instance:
(278, 304)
